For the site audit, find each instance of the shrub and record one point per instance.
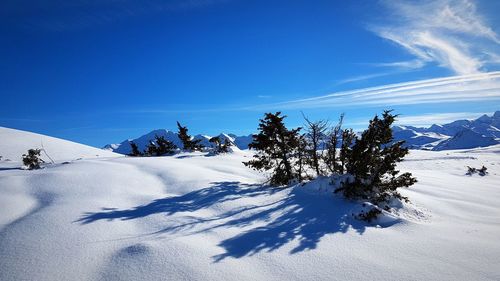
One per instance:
(275, 146)
(32, 159)
(372, 164)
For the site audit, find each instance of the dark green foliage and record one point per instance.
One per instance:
(150, 149)
(160, 147)
(372, 164)
(348, 138)
(219, 146)
(135, 150)
(188, 143)
(275, 146)
(32, 159)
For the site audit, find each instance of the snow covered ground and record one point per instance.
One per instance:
(194, 217)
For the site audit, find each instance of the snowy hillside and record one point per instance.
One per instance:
(15, 143)
(198, 217)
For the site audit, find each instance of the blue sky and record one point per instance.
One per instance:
(99, 72)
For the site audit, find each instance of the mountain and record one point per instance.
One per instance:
(14, 143)
(465, 139)
(143, 141)
(483, 131)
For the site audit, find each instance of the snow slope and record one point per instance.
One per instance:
(14, 143)
(194, 217)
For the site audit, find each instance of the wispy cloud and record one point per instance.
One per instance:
(437, 118)
(471, 87)
(439, 32)
(363, 77)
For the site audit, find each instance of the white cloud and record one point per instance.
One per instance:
(471, 87)
(437, 118)
(439, 32)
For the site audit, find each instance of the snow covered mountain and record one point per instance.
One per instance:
(142, 141)
(483, 131)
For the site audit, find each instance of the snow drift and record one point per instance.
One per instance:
(198, 217)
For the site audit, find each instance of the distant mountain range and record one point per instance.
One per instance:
(460, 134)
(241, 142)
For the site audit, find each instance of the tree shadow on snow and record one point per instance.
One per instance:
(289, 216)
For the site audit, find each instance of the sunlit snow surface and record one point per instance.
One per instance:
(195, 217)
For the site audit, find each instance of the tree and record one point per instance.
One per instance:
(164, 146)
(32, 159)
(160, 147)
(302, 156)
(372, 164)
(135, 149)
(332, 142)
(219, 146)
(188, 143)
(275, 146)
(315, 134)
(348, 138)
(150, 149)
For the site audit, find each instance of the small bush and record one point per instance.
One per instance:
(32, 159)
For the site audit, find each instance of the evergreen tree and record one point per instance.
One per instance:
(150, 149)
(188, 143)
(315, 135)
(226, 145)
(219, 146)
(32, 159)
(135, 149)
(348, 138)
(275, 146)
(160, 146)
(163, 146)
(372, 164)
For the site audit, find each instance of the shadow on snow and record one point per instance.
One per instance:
(281, 219)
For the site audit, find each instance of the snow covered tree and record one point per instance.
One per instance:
(135, 149)
(315, 135)
(187, 141)
(372, 164)
(275, 146)
(32, 159)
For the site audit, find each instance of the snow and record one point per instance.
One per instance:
(198, 217)
(14, 143)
